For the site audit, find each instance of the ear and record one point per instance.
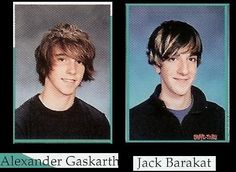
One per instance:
(157, 68)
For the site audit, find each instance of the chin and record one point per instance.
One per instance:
(182, 92)
(66, 93)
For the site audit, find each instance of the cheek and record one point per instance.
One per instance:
(81, 70)
(167, 72)
(56, 71)
(193, 70)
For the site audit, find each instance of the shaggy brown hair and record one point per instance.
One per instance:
(69, 38)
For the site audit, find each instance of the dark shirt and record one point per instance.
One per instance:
(151, 120)
(81, 121)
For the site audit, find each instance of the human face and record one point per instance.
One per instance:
(66, 74)
(178, 73)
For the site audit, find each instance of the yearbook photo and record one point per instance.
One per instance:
(62, 72)
(177, 73)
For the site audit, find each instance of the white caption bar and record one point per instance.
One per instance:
(77, 160)
(174, 163)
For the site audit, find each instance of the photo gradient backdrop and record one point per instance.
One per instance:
(32, 21)
(211, 23)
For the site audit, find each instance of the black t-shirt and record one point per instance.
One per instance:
(80, 121)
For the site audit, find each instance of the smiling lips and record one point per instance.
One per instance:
(68, 80)
(182, 80)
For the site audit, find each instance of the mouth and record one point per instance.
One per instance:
(68, 80)
(181, 79)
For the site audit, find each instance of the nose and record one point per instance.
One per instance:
(183, 68)
(71, 67)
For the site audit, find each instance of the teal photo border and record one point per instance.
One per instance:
(110, 71)
(6, 161)
(226, 7)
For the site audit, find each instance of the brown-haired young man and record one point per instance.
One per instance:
(64, 59)
(176, 110)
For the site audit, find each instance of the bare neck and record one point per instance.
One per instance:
(176, 102)
(56, 102)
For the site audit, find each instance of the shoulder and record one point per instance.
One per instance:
(25, 109)
(143, 108)
(143, 113)
(214, 113)
(22, 117)
(214, 108)
(98, 122)
(88, 109)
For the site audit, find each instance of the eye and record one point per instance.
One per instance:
(79, 61)
(193, 59)
(171, 59)
(61, 59)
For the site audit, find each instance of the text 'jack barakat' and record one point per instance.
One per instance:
(174, 163)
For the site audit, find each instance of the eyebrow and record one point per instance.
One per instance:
(60, 54)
